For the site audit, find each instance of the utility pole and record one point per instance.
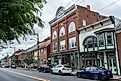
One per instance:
(38, 62)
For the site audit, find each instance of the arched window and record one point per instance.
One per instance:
(62, 31)
(72, 27)
(54, 35)
(90, 42)
(83, 22)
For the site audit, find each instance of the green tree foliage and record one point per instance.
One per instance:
(28, 60)
(17, 18)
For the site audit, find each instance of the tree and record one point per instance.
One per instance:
(17, 18)
(28, 60)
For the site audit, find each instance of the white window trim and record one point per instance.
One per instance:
(54, 34)
(62, 30)
(70, 43)
(74, 28)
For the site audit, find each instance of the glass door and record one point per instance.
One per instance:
(112, 65)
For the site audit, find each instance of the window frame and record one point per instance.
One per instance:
(101, 39)
(111, 39)
(62, 30)
(71, 26)
(54, 35)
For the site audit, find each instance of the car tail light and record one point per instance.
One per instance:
(63, 69)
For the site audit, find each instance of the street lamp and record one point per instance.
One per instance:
(38, 61)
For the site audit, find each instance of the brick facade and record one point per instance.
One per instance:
(74, 14)
(81, 13)
(119, 46)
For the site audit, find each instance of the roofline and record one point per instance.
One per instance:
(94, 23)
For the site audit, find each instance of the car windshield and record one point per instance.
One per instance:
(101, 68)
(67, 66)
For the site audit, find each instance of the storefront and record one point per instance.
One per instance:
(98, 46)
(67, 57)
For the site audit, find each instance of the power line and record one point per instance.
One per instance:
(81, 1)
(69, 3)
(74, 2)
(108, 5)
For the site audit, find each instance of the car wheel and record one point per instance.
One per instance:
(60, 72)
(78, 75)
(44, 71)
(95, 77)
(104, 78)
(51, 72)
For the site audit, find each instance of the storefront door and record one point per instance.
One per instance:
(112, 65)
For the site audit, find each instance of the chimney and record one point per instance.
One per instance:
(88, 7)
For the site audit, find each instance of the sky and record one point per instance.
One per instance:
(48, 13)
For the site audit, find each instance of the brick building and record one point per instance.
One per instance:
(64, 37)
(45, 52)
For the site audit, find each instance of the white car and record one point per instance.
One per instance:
(61, 69)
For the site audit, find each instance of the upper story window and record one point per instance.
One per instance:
(45, 51)
(72, 42)
(109, 38)
(62, 45)
(72, 27)
(55, 46)
(41, 50)
(90, 41)
(83, 22)
(54, 35)
(101, 39)
(62, 31)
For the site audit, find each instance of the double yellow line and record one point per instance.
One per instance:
(32, 77)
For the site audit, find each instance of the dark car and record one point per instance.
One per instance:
(45, 68)
(13, 66)
(7, 66)
(94, 73)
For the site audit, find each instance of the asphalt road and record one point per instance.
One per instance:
(7, 74)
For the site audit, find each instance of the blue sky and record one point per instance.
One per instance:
(49, 11)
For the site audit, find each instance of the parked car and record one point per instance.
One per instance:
(45, 68)
(61, 69)
(94, 72)
(13, 66)
(3, 66)
(7, 66)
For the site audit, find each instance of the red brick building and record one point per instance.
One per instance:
(64, 37)
(45, 52)
(118, 37)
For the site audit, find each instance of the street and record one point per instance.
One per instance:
(8, 74)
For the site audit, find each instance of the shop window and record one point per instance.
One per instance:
(72, 27)
(109, 38)
(101, 39)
